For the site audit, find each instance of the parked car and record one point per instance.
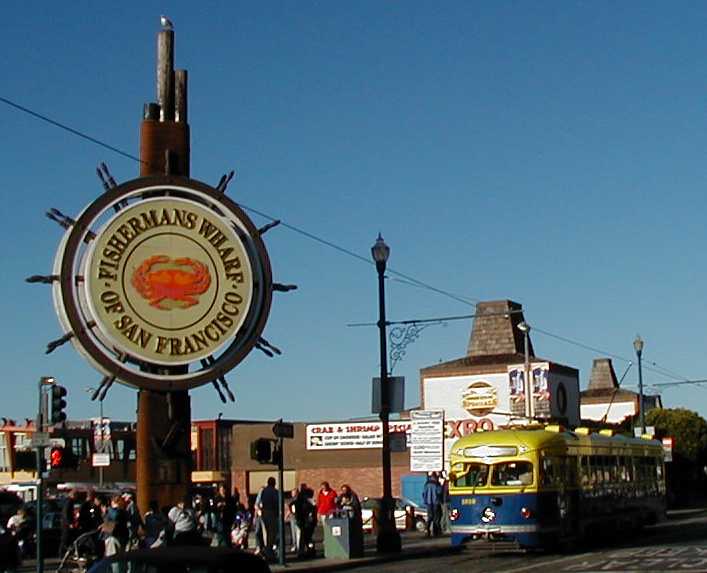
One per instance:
(183, 560)
(405, 510)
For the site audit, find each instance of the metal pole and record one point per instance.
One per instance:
(529, 406)
(103, 447)
(640, 393)
(388, 539)
(40, 490)
(280, 500)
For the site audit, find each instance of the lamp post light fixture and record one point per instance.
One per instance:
(638, 347)
(524, 327)
(388, 538)
(91, 390)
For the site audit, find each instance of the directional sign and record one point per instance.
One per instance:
(283, 430)
(40, 440)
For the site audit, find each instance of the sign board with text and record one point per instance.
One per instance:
(427, 440)
(350, 435)
(101, 460)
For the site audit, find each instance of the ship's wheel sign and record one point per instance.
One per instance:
(163, 283)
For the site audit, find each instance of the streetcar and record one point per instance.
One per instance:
(539, 487)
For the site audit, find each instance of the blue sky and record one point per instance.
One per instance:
(547, 152)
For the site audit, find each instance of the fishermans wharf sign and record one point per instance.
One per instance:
(169, 281)
(163, 272)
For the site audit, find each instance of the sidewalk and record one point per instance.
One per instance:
(413, 547)
(421, 547)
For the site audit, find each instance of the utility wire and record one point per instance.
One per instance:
(410, 280)
(69, 129)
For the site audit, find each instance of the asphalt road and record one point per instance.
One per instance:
(679, 544)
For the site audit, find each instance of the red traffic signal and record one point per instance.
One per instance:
(56, 457)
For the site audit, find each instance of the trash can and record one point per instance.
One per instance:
(343, 537)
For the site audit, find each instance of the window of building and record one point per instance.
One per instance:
(4, 453)
(207, 449)
(224, 448)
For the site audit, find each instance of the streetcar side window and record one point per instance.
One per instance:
(512, 474)
(547, 475)
(584, 471)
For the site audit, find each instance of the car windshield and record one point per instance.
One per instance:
(474, 475)
(512, 474)
(403, 502)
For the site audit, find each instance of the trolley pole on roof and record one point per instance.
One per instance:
(524, 327)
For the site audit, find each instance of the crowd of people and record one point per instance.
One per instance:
(303, 512)
(103, 526)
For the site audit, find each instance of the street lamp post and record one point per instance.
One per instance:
(638, 347)
(524, 327)
(388, 538)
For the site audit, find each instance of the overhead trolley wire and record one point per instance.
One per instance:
(410, 280)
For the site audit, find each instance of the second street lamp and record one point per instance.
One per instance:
(388, 539)
(638, 347)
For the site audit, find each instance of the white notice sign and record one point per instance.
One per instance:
(427, 440)
(101, 460)
(350, 435)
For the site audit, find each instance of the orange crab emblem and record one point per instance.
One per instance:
(178, 280)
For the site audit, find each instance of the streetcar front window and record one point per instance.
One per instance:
(473, 475)
(512, 474)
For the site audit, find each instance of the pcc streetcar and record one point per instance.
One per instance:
(536, 487)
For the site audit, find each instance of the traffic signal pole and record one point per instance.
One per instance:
(39, 427)
(281, 498)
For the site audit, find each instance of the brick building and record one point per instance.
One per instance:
(360, 468)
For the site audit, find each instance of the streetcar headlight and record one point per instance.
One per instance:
(526, 513)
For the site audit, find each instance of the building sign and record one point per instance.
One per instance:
(668, 444)
(480, 398)
(163, 272)
(101, 435)
(427, 440)
(350, 435)
(539, 374)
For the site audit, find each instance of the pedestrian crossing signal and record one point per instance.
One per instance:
(56, 457)
(261, 450)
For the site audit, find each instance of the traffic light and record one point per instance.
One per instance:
(261, 450)
(58, 404)
(56, 457)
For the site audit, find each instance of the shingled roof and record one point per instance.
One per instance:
(495, 330)
(603, 384)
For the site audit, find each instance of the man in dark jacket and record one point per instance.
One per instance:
(67, 522)
(432, 496)
(269, 502)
